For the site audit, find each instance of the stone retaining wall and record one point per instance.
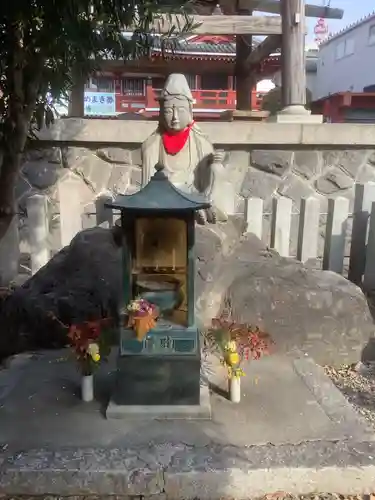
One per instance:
(257, 173)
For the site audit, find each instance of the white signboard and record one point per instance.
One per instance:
(100, 104)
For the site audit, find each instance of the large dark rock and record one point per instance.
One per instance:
(81, 282)
(318, 312)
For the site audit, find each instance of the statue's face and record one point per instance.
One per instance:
(177, 114)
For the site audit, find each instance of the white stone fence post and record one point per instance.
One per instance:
(281, 224)
(364, 198)
(38, 230)
(369, 273)
(309, 228)
(69, 193)
(104, 215)
(362, 245)
(335, 237)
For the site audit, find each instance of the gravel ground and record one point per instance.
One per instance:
(357, 383)
(317, 496)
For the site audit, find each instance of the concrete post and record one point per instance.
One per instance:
(254, 216)
(369, 275)
(70, 209)
(280, 227)
(308, 231)
(37, 217)
(364, 197)
(334, 244)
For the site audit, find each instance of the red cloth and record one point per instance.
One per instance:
(173, 142)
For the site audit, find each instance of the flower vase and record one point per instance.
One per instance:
(87, 388)
(142, 325)
(235, 389)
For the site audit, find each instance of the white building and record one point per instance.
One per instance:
(346, 61)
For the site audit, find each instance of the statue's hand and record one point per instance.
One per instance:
(206, 216)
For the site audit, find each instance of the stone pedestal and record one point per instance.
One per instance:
(159, 387)
(296, 114)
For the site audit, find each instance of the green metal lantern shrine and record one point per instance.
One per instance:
(158, 238)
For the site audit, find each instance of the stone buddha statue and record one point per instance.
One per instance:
(188, 156)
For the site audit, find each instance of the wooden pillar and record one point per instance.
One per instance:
(253, 97)
(293, 66)
(244, 81)
(150, 96)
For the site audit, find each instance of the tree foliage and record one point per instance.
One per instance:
(43, 44)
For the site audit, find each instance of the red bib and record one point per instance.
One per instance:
(174, 142)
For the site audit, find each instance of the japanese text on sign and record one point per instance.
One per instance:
(99, 103)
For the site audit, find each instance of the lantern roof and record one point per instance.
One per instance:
(160, 195)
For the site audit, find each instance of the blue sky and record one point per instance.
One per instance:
(354, 10)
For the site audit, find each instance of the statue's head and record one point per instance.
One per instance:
(176, 103)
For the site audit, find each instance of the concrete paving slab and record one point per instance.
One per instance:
(293, 431)
(40, 407)
(190, 472)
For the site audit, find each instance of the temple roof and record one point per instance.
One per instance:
(160, 195)
(202, 45)
(212, 47)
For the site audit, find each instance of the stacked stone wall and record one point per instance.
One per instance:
(256, 173)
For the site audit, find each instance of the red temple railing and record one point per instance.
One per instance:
(210, 99)
(204, 99)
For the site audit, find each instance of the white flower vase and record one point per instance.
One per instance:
(235, 389)
(87, 388)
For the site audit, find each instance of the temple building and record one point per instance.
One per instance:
(208, 63)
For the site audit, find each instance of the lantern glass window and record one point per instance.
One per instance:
(160, 265)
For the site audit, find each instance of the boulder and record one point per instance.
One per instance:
(319, 313)
(81, 282)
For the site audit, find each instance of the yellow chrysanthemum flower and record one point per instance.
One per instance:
(233, 359)
(94, 352)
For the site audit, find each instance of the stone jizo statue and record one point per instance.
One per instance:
(186, 153)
